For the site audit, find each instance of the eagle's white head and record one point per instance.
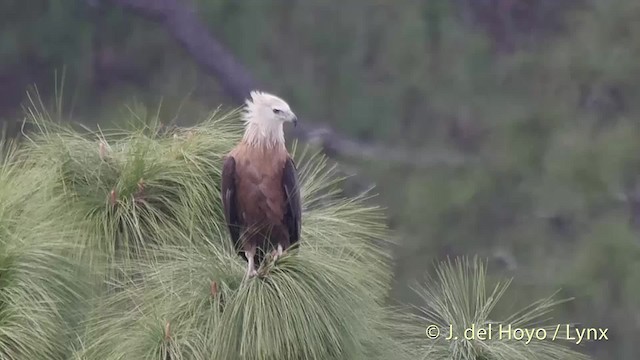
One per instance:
(264, 115)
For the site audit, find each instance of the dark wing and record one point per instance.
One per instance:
(293, 213)
(229, 201)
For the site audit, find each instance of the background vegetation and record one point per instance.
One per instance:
(531, 105)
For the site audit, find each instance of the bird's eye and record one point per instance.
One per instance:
(277, 111)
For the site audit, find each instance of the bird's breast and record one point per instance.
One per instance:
(260, 193)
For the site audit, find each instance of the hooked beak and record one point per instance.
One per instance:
(294, 121)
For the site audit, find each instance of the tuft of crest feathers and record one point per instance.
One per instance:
(259, 99)
(261, 128)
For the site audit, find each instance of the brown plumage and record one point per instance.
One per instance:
(260, 191)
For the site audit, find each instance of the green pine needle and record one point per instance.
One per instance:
(458, 297)
(113, 246)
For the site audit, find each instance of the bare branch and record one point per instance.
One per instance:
(181, 21)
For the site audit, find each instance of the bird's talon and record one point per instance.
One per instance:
(279, 251)
(251, 274)
(275, 255)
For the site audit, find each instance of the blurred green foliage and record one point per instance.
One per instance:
(544, 93)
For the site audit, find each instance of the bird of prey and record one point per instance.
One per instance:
(260, 193)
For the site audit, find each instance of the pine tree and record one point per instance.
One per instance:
(114, 247)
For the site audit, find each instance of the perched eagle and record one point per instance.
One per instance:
(260, 191)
